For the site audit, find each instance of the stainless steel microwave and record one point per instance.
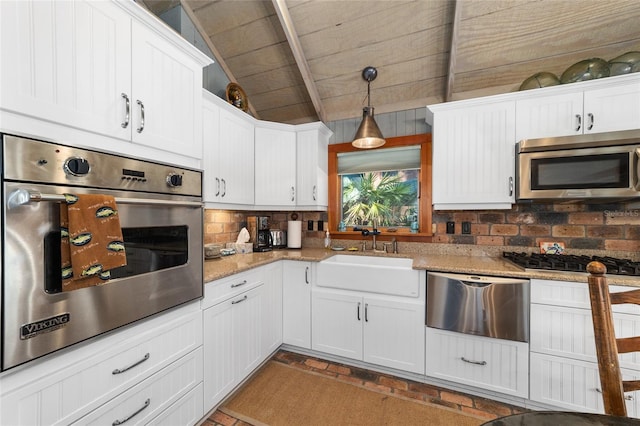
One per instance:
(593, 166)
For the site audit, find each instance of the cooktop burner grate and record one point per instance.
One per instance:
(572, 263)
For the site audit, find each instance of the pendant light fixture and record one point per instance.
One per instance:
(368, 134)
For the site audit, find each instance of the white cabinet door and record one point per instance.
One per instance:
(612, 108)
(296, 303)
(337, 323)
(474, 157)
(546, 116)
(312, 163)
(247, 330)
(394, 334)
(236, 159)
(211, 185)
(275, 167)
(219, 374)
(271, 334)
(487, 363)
(67, 62)
(166, 102)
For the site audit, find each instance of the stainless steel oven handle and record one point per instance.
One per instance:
(20, 197)
(637, 167)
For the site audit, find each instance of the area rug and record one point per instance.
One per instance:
(280, 395)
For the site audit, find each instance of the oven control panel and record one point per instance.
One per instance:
(64, 165)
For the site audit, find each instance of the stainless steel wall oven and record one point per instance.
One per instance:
(160, 212)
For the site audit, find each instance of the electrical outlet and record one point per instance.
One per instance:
(320, 225)
(309, 225)
(466, 227)
(451, 227)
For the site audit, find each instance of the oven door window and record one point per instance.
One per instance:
(147, 249)
(581, 172)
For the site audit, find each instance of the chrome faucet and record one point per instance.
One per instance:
(394, 246)
(374, 233)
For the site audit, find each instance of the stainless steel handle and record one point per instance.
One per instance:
(224, 187)
(141, 128)
(578, 122)
(358, 314)
(315, 192)
(20, 197)
(627, 397)
(217, 186)
(366, 312)
(473, 362)
(239, 284)
(120, 371)
(127, 111)
(637, 167)
(510, 186)
(591, 121)
(119, 422)
(306, 275)
(233, 302)
(293, 193)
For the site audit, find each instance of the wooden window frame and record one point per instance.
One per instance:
(424, 197)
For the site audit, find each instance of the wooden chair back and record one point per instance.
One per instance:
(607, 345)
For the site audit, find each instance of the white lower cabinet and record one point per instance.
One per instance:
(159, 359)
(484, 362)
(564, 367)
(296, 303)
(240, 331)
(382, 330)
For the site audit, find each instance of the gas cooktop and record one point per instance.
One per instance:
(572, 263)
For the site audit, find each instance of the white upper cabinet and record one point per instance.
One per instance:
(228, 153)
(291, 165)
(473, 155)
(604, 105)
(107, 68)
(312, 160)
(275, 152)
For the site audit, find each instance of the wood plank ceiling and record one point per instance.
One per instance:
(301, 60)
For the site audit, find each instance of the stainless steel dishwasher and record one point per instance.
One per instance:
(484, 306)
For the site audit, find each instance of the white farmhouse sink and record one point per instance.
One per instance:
(373, 274)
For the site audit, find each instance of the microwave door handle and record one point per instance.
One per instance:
(636, 166)
(21, 197)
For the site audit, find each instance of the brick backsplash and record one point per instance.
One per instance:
(223, 226)
(579, 226)
(611, 227)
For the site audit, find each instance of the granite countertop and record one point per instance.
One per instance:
(482, 265)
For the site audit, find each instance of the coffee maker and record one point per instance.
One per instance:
(258, 227)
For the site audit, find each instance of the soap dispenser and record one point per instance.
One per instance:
(327, 240)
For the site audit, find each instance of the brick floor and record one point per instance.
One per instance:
(478, 406)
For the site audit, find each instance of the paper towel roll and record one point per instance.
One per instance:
(294, 234)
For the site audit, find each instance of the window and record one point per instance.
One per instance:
(389, 186)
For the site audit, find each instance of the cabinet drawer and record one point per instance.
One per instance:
(487, 363)
(222, 289)
(146, 400)
(574, 385)
(188, 410)
(568, 332)
(55, 395)
(573, 294)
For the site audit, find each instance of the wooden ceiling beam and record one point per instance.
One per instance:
(216, 53)
(453, 50)
(298, 54)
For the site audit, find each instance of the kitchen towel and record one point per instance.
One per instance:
(294, 234)
(91, 240)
